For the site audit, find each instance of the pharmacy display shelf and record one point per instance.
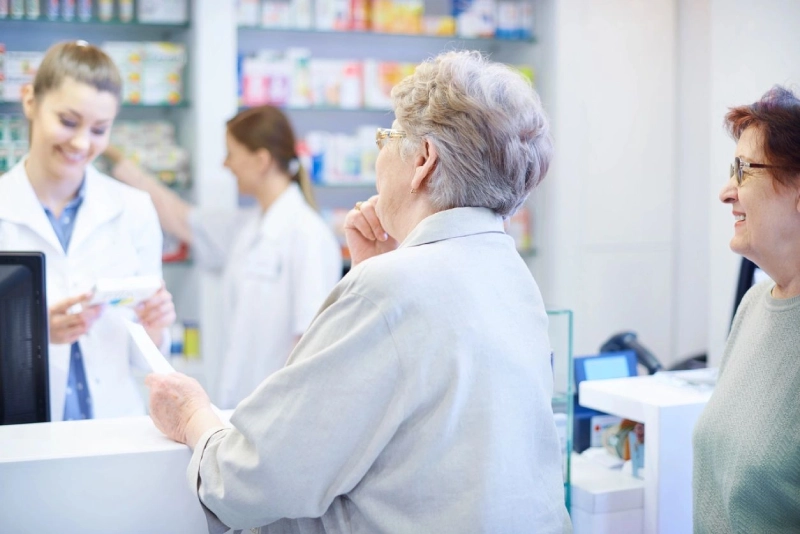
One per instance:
(15, 105)
(343, 33)
(344, 185)
(115, 23)
(319, 109)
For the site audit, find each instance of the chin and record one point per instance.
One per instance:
(70, 171)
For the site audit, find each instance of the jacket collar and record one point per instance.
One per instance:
(452, 223)
(19, 204)
(282, 209)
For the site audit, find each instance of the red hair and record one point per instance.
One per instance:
(777, 117)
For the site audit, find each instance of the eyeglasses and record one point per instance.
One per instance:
(382, 134)
(738, 166)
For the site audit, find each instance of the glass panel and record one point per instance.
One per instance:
(560, 331)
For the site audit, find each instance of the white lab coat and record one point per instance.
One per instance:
(277, 269)
(116, 234)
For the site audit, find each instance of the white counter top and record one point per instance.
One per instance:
(629, 398)
(112, 475)
(78, 439)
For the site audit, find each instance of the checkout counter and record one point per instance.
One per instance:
(108, 475)
(669, 405)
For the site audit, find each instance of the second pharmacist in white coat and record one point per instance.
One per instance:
(278, 260)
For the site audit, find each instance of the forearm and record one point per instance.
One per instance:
(173, 211)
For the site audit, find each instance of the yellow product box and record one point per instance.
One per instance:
(444, 25)
(128, 57)
(162, 73)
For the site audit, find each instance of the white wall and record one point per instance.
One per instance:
(753, 45)
(690, 306)
(606, 210)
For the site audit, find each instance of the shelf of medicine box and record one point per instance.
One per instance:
(16, 106)
(115, 22)
(343, 185)
(178, 263)
(326, 108)
(527, 40)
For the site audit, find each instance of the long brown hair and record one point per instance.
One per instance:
(268, 128)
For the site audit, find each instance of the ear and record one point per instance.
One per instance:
(424, 164)
(265, 159)
(28, 101)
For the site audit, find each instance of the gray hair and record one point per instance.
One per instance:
(487, 125)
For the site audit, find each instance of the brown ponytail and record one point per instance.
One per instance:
(268, 128)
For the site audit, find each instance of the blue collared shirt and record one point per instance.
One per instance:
(78, 402)
(65, 224)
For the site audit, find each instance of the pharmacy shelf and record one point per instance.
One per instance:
(344, 185)
(179, 105)
(115, 23)
(528, 40)
(177, 264)
(325, 109)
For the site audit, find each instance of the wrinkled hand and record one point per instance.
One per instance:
(156, 313)
(365, 234)
(66, 328)
(174, 399)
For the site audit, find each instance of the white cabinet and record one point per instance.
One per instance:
(669, 412)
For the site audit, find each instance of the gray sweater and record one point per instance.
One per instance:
(747, 441)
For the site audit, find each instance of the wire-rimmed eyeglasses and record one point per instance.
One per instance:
(382, 134)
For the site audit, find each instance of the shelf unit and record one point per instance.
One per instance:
(360, 45)
(213, 41)
(39, 34)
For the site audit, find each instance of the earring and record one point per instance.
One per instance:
(413, 191)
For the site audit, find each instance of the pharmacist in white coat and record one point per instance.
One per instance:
(278, 260)
(89, 226)
(419, 399)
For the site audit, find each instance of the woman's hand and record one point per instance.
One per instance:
(365, 234)
(65, 326)
(179, 407)
(113, 154)
(157, 313)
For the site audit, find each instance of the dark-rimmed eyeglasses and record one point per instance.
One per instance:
(738, 166)
(384, 134)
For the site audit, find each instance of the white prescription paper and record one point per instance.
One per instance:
(157, 362)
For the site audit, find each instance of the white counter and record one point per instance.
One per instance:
(113, 475)
(605, 501)
(669, 413)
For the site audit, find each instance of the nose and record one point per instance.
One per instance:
(80, 141)
(730, 192)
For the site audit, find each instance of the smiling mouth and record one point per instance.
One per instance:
(740, 218)
(72, 157)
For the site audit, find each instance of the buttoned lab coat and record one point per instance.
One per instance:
(116, 234)
(277, 268)
(417, 401)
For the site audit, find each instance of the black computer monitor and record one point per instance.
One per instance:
(24, 386)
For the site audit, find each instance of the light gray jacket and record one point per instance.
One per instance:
(418, 401)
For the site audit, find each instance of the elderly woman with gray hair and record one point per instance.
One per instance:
(419, 398)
